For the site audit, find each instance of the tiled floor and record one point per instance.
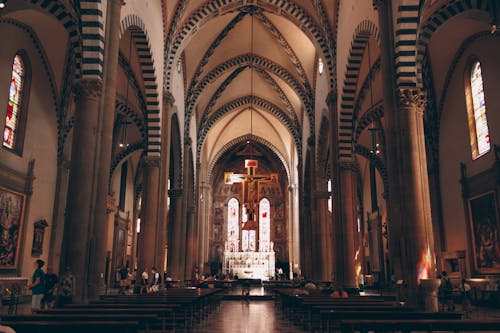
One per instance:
(246, 317)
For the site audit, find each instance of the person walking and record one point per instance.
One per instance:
(37, 285)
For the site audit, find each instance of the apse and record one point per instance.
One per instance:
(249, 223)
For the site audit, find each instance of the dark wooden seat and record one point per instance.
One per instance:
(84, 326)
(424, 325)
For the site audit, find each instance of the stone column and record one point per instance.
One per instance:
(80, 204)
(410, 235)
(168, 103)
(417, 231)
(345, 254)
(331, 101)
(104, 147)
(183, 217)
(175, 229)
(148, 254)
(324, 229)
(57, 230)
(388, 74)
(203, 217)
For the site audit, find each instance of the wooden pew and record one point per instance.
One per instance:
(149, 315)
(427, 325)
(332, 319)
(109, 326)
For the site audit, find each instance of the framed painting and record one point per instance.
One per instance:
(483, 217)
(12, 205)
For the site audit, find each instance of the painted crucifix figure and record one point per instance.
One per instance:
(251, 185)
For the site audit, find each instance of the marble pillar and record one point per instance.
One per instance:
(80, 204)
(411, 238)
(148, 253)
(204, 221)
(104, 146)
(325, 233)
(168, 103)
(174, 246)
(346, 270)
(394, 211)
(417, 229)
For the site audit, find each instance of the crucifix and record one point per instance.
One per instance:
(251, 186)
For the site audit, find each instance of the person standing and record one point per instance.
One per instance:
(50, 290)
(66, 289)
(144, 282)
(466, 288)
(155, 280)
(37, 285)
(123, 280)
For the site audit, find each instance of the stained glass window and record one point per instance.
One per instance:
(478, 123)
(233, 207)
(14, 105)
(264, 225)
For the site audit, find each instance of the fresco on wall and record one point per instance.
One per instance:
(485, 229)
(11, 217)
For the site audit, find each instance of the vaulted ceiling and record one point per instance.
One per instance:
(249, 55)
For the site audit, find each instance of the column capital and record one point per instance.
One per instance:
(168, 98)
(91, 88)
(378, 3)
(151, 161)
(414, 99)
(331, 99)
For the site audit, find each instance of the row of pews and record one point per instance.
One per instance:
(166, 311)
(323, 313)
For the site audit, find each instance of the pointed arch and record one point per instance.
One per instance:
(286, 8)
(435, 21)
(362, 34)
(143, 47)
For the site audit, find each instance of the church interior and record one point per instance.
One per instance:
(235, 149)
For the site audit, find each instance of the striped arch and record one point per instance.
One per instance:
(258, 61)
(123, 155)
(374, 114)
(437, 19)
(241, 103)
(346, 120)
(68, 20)
(132, 114)
(93, 38)
(228, 146)
(146, 61)
(377, 162)
(286, 8)
(408, 19)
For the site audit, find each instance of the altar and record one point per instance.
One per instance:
(249, 265)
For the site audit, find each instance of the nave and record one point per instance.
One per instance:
(269, 307)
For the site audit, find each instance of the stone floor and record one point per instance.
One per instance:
(246, 317)
(259, 314)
